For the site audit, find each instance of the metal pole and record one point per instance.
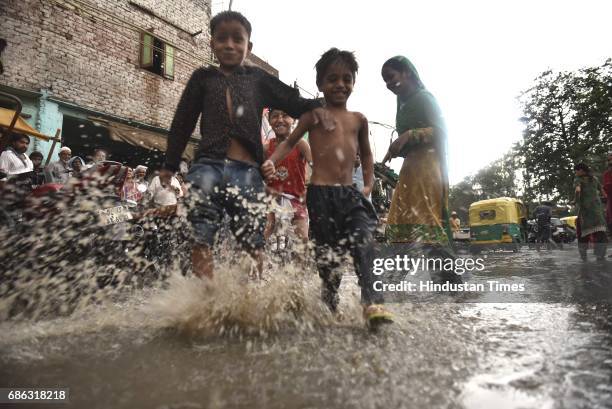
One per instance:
(230, 5)
(55, 141)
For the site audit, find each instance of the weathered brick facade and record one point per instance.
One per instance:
(87, 52)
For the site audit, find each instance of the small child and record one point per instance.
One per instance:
(225, 177)
(290, 178)
(341, 217)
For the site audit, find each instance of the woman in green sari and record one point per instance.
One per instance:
(591, 221)
(419, 208)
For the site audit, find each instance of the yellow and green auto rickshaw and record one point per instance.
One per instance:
(570, 221)
(498, 224)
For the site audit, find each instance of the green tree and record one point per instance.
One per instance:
(461, 196)
(498, 179)
(568, 119)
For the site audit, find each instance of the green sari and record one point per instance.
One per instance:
(591, 214)
(419, 207)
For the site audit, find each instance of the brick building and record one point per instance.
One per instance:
(108, 73)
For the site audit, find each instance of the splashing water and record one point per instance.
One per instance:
(67, 264)
(288, 298)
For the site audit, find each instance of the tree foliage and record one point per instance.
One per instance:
(499, 179)
(568, 119)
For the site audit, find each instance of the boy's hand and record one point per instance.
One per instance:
(367, 190)
(323, 116)
(268, 170)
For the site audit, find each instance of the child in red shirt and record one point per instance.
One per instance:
(289, 183)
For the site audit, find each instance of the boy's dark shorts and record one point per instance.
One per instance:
(340, 215)
(232, 187)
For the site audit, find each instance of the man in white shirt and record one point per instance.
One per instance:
(16, 170)
(14, 161)
(165, 189)
(58, 171)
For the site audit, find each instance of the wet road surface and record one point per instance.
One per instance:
(239, 346)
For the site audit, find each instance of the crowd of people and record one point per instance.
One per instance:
(28, 172)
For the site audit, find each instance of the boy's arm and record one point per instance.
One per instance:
(367, 159)
(304, 148)
(283, 149)
(279, 95)
(186, 116)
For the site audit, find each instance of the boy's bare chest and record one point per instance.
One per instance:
(338, 145)
(346, 130)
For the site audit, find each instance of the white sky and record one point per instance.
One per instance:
(475, 56)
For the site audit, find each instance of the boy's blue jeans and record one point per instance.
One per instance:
(220, 186)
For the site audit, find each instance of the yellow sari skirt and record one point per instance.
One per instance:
(419, 207)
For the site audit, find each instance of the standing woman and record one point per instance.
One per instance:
(591, 222)
(419, 208)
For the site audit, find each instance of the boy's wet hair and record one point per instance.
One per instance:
(226, 16)
(333, 56)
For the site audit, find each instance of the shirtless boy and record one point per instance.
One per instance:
(341, 217)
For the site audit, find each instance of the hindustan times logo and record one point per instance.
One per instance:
(411, 265)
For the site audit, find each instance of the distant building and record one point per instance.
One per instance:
(108, 73)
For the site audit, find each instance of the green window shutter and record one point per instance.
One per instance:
(168, 61)
(146, 50)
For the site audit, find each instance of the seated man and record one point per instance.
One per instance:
(165, 189)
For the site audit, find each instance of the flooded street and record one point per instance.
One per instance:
(205, 205)
(235, 346)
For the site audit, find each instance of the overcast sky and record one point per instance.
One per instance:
(474, 56)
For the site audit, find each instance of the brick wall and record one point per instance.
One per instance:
(87, 52)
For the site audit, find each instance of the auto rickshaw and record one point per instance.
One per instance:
(497, 224)
(570, 221)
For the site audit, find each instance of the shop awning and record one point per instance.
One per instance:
(141, 137)
(21, 126)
